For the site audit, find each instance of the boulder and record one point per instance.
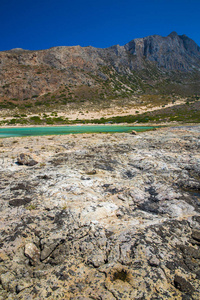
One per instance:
(133, 132)
(33, 253)
(26, 159)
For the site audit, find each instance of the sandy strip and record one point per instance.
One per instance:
(112, 112)
(103, 113)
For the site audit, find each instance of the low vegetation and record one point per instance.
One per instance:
(185, 113)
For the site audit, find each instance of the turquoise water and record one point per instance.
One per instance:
(54, 130)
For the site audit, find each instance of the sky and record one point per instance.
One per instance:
(41, 24)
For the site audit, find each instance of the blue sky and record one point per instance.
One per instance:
(41, 24)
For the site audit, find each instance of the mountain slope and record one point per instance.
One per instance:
(150, 65)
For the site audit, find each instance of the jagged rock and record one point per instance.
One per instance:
(155, 48)
(183, 285)
(133, 132)
(48, 249)
(97, 259)
(8, 281)
(91, 172)
(19, 202)
(196, 235)
(154, 261)
(26, 159)
(33, 253)
(23, 284)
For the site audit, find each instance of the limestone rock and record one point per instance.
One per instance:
(8, 281)
(33, 253)
(23, 284)
(133, 132)
(91, 172)
(183, 285)
(26, 159)
(155, 48)
(131, 231)
(196, 235)
(154, 261)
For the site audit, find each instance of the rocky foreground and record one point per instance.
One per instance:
(101, 216)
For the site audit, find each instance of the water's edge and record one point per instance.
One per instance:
(62, 130)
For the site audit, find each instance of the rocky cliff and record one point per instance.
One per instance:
(173, 52)
(152, 64)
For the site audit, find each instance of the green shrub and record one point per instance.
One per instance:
(49, 121)
(38, 103)
(36, 120)
(12, 121)
(28, 105)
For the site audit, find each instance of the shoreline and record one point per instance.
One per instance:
(167, 124)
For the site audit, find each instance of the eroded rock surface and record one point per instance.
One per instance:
(26, 159)
(101, 216)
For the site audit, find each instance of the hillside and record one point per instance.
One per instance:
(84, 77)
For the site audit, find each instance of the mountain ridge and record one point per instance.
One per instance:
(153, 64)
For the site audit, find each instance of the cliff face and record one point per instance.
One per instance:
(24, 73)
(173, 52)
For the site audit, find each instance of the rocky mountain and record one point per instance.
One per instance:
(173, 52)
(150, 65)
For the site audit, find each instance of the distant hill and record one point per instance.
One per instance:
(150, 65)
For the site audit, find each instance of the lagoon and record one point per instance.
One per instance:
(62, 130)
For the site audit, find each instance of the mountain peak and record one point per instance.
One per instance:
(173, 34)
(184, 52)
(17, 50)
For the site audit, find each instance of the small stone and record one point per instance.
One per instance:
(183, 285)
(119, 213)
(19, 202)
(23, 284)
(96, 259)
(26, 159)
(3, 257)
(133, 132)
(8, 281)
(85, 178)
(91, 172)
(126, 253)
(122, 197)
(33, 253)
(47, 251)
(154, 261)
(196, 235)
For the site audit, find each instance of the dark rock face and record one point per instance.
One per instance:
(19, 202)
(26, 159)
(183, 285)
(173, 52)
